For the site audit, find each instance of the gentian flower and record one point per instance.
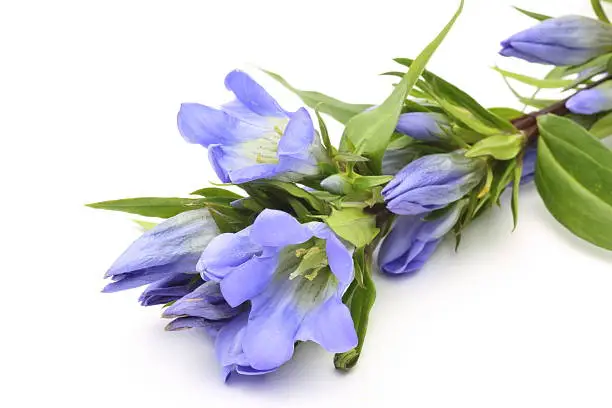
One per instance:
(294, 276)
(424, 126)
(252, 137)
(591, 101)
(206, 308)
(413, 239)
(164, 254)
(569, 40)
(432, 182)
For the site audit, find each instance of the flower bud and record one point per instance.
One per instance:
(569, 40)
(591, 101)
(424, 126)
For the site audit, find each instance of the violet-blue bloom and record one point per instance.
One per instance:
(205, 308)
(294, 276)
(424, 126)
(569, 40)
(169, 249)
(252, 137)
(412, 240)
(591, 101)
(432, 182)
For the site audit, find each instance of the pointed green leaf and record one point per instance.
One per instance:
(603, 127)
(162, 207)
(599, 11)
(574, 179)
(370, 131)
(145, 225)
(540, 83)
(341, 111)
(216, 192)
(367, 182)
(537, 16)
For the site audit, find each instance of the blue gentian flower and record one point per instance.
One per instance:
(294, 276)
(164, 254)
(424, 126)
(569, 40)
(432, 182)
(413, 239)
(252, 137)
(205, 308)
(591, 101)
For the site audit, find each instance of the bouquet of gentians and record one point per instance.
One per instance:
(285, 250)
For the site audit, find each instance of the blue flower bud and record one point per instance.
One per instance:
(591, 101)
(432, 182)
(425, 126)
(412, 240)
(568, 40)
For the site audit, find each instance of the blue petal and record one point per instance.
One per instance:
(239, 175)
(248, 280)
(339, 257)
(178, 240)
(226, 252)
(204, 125)
(212, 327)
(252, 95)
(144, 277)
(278, 229)
(554, 54)
(228, 344)
(508, 51)
(331, 326)
(298, 137)
(205, 301)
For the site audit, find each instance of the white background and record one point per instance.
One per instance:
(89, 91)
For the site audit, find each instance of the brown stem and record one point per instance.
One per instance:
(529, 122)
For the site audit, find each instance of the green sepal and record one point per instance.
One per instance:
(500, 147)
(353, 225)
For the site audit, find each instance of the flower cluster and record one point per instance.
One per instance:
(286, 250)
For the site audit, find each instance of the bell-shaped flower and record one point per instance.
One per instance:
(413, 239)
(165, 252)
(569, 40)
(252, 137)
(424, 126)
(205, 308)
(432, 182)
(591, 101)
(294, 276)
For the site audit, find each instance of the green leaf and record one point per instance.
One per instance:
(359, 298)
(506, 113)
(145, 225)
(353, 225)
(162, 207)
(500, 147)
(599, 11)
(367, 182)
(216, 192)
(370, 131)
(341, 111)
(460, 101)
(329, 148)
(539, 83)
(537, 16)
(603, 127)
(574, 179)
(291, 189)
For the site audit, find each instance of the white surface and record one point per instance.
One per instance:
(88, 97)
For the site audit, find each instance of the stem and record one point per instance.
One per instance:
(529, 122)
